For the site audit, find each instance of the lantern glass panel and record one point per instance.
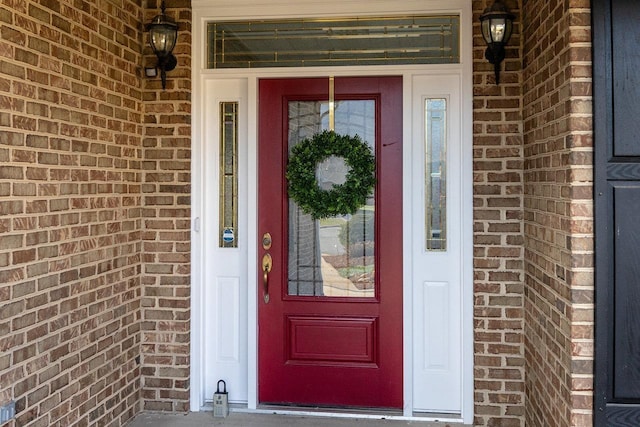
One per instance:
(163, 39)
(498, 30)
(486, 30)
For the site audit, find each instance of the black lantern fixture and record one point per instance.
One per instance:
(496, 23)
(163, 33)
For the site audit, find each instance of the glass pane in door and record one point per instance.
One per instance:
(332, 257)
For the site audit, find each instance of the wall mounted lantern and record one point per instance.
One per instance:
(496, 23)
(163, 33)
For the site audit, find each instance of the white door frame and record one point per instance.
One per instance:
(208, 10)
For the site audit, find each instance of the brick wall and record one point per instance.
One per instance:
(70, 211)
(558, 213)
(166, 200)
(498, 233)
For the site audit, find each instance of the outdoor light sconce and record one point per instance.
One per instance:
(496, 23)
(163, 33)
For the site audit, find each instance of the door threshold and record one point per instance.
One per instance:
(366, 413)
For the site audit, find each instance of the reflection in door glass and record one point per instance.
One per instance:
(435, 174)
(333, 257)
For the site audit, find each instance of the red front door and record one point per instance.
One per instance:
(331, 331)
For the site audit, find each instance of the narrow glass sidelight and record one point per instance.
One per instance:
(435, 174)
(228, 175)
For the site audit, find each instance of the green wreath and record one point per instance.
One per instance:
(342, 199)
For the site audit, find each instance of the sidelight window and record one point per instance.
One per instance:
(435, 176)
(228, 228)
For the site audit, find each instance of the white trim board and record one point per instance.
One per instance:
(205, 11)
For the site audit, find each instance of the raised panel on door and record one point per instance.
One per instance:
(626, 78)
(626, 366)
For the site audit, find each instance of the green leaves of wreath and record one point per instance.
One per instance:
(342, 199)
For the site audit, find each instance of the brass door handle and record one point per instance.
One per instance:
(267, 263)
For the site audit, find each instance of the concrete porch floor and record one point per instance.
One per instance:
(239, 419)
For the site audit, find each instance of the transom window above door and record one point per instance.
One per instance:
(334, 41)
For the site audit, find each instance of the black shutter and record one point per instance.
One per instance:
(616, 85)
